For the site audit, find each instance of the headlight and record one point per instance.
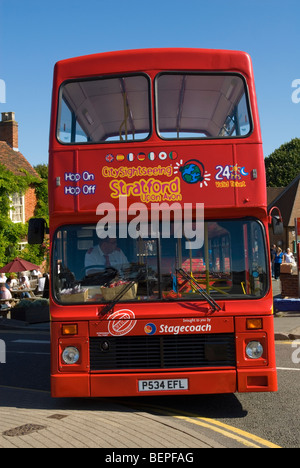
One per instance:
(254, 350)
(70, 355)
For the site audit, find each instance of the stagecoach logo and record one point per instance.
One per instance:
(150, 329)
(121, 323)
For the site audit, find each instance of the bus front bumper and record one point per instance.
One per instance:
(142, 384)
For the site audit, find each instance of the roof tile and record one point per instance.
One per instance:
(14, 161)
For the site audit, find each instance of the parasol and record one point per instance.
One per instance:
(17, 265)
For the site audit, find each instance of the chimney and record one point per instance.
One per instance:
(9, 130)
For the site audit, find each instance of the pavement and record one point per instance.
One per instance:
(286, 324)
(32, 419)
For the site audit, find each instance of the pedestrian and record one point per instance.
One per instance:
(277, 262)
(14, 282)
(41, 285)
(24, 284)
(5, 294)
(289, 257)
(3, 278)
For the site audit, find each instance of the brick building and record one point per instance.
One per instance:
(14, 161)
(287, 199)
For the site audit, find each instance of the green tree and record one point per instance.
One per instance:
(38, 253)
(41, 189)
(283, 165)
(11, 234)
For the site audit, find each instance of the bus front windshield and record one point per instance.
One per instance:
(231, 264)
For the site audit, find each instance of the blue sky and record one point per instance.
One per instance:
(36, 34)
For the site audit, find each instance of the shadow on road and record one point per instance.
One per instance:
(209, 406)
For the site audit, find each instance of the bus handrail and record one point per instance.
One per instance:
(203, 293)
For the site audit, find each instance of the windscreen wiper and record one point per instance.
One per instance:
(122, 293)
(202, 291)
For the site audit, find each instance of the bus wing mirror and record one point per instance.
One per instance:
(276, 221)
(277, 225)
(37, 228)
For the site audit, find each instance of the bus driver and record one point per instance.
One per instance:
(104, 255)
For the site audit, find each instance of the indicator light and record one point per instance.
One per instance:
(70, 329)
(254, 324)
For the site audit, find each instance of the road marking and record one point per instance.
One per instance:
(32, 341)
(287, 368)
(25, 389)
(28, 352)
(201, 422)
(243, 437)
(285, 342)
(257, 439)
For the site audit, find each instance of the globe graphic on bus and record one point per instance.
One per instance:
(191, 173)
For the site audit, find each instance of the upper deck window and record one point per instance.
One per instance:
(104, 109)
(202, 106)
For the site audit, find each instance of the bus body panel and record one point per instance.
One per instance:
(85, 177)
(206, 382)
(81, 380)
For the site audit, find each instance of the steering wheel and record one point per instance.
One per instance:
(104, 276)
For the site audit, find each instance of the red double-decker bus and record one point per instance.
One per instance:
(160, 268)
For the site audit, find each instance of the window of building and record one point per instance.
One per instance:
(17, 212)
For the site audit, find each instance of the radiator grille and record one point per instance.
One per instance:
(162, 352)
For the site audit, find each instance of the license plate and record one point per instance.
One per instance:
(163, 385)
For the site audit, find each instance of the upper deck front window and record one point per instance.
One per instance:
(104, 109)
(202, 106)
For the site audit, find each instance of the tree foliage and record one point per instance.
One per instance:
(11, 234)
(38, 253)
(283, 165)
(41, 190)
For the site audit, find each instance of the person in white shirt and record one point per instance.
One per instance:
(24, 284)
(3, 278)
(41, 284)
(104, 255)
(36, 273)
(14, 283)
(289, 257)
